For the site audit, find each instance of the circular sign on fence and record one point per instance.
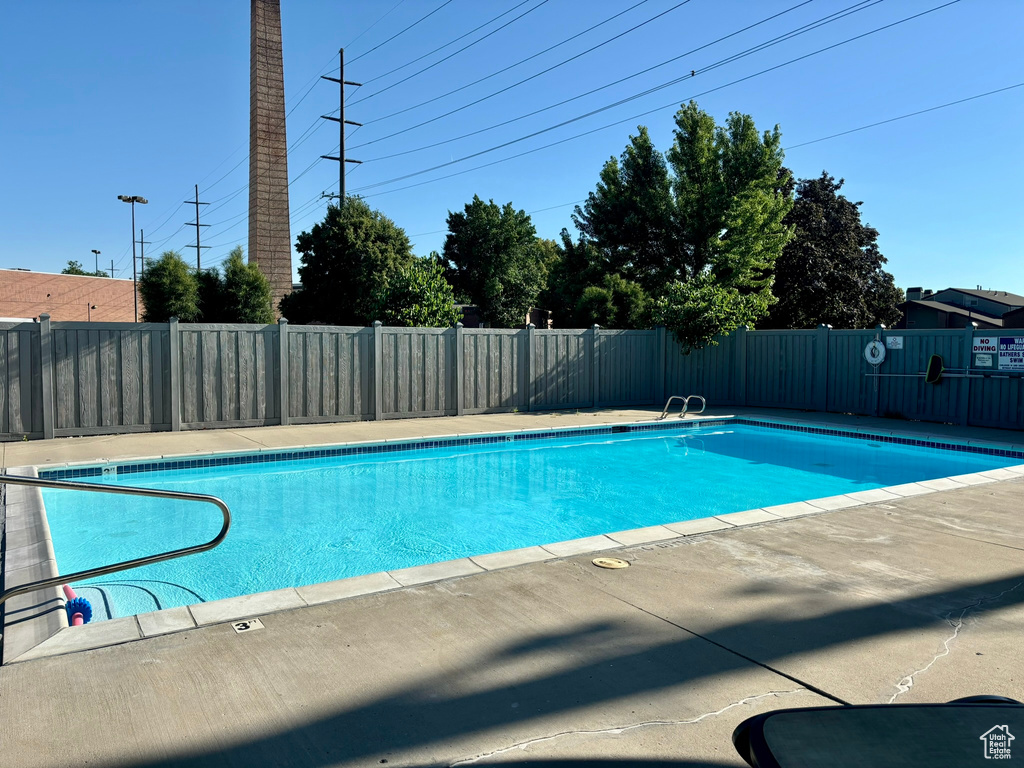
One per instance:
(874, 352)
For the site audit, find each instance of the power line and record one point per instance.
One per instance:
(662, 107)
(522, 61)
(904, 117)
(378, 21)
(450, 42)
(244, 213)
(592, 91)
(633, 97)
(450, 55)
(295, 213)
(859, 6)
(402, 32)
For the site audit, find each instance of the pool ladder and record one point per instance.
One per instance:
(686, 405)
(56, 581)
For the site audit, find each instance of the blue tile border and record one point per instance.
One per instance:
(299, 454)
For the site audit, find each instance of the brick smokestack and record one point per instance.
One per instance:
(269, 230)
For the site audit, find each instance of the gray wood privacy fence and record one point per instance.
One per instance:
(62, 379)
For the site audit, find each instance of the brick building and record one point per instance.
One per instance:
(25, 294)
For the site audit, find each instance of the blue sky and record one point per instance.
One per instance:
(106, 98)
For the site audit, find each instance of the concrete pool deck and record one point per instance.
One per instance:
(918, 598)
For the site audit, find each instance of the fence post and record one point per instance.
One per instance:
(460, 368)
(46, 364)
(531, 348)
(876, 409)
(965, 390)
(378, 370)
(174, 346)
(741, 365)
(660, 366)
(594, 367)
(282, 382)
(821, 364)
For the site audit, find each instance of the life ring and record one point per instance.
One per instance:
(874, 352)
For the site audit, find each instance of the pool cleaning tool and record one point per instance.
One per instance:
(934, 373)
(79, 610)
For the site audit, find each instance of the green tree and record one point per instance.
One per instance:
(416, 295)
(700, 234)
(831, 271)
(582, 291)
(212, 299)
(630, 216)
(341, 261)
(246, 291)
(75, 268)
(168, 288)
(731, 199)
(495, 260)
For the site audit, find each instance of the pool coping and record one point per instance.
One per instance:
(47, 633)
(29, 619)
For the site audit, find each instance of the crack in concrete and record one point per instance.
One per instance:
(620, 729)
(250, 439)
(957, 624)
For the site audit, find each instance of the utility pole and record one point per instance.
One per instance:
(197, 225)
(342, 122)
(111, 267)
(143, 242)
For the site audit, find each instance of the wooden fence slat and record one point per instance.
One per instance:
(109, 376)
(131, 382)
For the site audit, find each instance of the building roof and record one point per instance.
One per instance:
(1001, 297)
(955, 310)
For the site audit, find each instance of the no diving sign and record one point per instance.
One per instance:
(985, 344)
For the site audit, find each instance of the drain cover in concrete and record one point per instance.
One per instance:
(610, 562)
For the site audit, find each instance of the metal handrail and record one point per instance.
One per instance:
(127, 564)
(686, 405)
(664, 411)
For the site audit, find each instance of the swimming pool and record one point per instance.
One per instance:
(305, 517)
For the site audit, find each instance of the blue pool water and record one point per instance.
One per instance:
(304, 522)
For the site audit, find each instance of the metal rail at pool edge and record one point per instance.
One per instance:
(125, 564)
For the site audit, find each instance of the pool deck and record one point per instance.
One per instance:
(908, 599)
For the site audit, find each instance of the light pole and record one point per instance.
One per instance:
(133, 199)
(89, 308)
(97, 255)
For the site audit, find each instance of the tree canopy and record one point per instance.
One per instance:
(171, 288)
(495, 260)
(76, 268)
(831, 271)
(416, 295)
(582, 290)
(246, 291)
(342, 260)
(698, 234)
(168, 288)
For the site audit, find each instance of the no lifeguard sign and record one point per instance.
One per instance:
(1011, 353)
